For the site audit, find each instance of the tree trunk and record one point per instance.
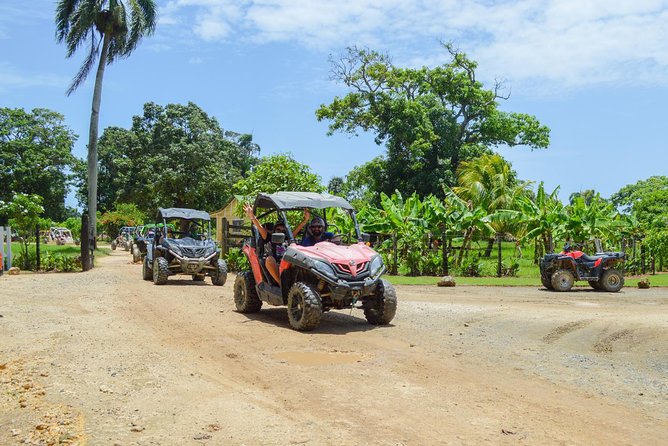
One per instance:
(92, 141)
(490, 246)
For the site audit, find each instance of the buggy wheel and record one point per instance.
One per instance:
(160, 271)
(380, 310)
(595, 284)
(562, 280)
(611, 280)
(245, 294)
(136, 255)
(113, 245)
(198, 277)
(219, 276)
(304, 307)
(146, 271)
(545, 280)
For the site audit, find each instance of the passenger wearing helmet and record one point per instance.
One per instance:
(316, 232)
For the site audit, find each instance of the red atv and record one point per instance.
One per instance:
(559, 271)
(339, 273)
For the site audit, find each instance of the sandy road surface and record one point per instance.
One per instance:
(105, 358)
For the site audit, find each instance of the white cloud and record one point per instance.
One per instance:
(560, 43)
(11, 79)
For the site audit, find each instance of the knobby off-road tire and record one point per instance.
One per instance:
(219, 276)
(245, 294)
(381, 309)
(146, 271)
(113, 245)
(304, 307)
(546, 281)
(160, 271)
(198, 277)
(136, 255)
(612, 280)
(562, 280)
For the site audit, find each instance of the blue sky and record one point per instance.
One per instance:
(594, 71)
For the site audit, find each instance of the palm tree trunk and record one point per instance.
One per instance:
(92, 142)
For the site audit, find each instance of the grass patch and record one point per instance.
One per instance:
(657, 280)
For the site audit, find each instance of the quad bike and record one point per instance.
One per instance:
(124, 239)
(314, 279)
(187, 249)
(559, 271)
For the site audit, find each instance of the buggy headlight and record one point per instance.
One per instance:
(324, 268)
(376, 267)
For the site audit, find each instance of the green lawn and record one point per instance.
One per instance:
(654, 280)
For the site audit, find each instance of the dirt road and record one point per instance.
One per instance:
(105, 358)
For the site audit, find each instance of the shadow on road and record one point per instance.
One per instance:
(336, 322)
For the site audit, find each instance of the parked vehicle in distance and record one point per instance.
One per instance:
(558, 272)
(124, 239)
(341, 273)
(182, 244)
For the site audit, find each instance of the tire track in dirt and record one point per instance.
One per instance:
(606, 344)
(563, 330)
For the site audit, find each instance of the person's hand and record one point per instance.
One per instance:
(248, 209)
(307, 214)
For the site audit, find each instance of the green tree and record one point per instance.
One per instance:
(119, 26)
(489, 183)
(176, 155)
(125, 214)
(35, 156)
(278, 173)
(23, 211)
(430, 119)
(628, 195)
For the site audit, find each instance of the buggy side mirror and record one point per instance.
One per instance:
(278, 238)
(365, 237)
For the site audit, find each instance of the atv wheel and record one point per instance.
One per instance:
(245, 294)
(198, 277)
(611, 280)
(136, 255)
(146, 271)
(304, 307)
(595, 284)
(160, 271)
(545, 280)
(126, 246)
(219, 276)
(113, 245)
(562, 280)
(381, 309)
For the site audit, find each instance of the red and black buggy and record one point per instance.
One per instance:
(343, 272)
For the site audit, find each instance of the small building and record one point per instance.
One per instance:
(227, 219)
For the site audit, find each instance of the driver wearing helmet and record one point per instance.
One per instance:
(316, 233)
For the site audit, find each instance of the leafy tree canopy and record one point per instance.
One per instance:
(430, 119)
(125, 214)
(35, 155)
(278, 173)
(173, 156)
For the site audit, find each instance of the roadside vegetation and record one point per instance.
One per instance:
(441, 200)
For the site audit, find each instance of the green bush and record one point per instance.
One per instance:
(236, 260)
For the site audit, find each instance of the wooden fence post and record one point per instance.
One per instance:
(395, 266)
(444, 247)
(224, 243)
(37, 250)
(498, 263)
(85, 243)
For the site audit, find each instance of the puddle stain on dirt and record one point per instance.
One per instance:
(318, 358)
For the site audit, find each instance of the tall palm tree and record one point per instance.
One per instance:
(118, 25)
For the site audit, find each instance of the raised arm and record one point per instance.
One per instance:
(249, 213)
(300, 226)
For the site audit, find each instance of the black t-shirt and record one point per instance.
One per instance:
(276, 250)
